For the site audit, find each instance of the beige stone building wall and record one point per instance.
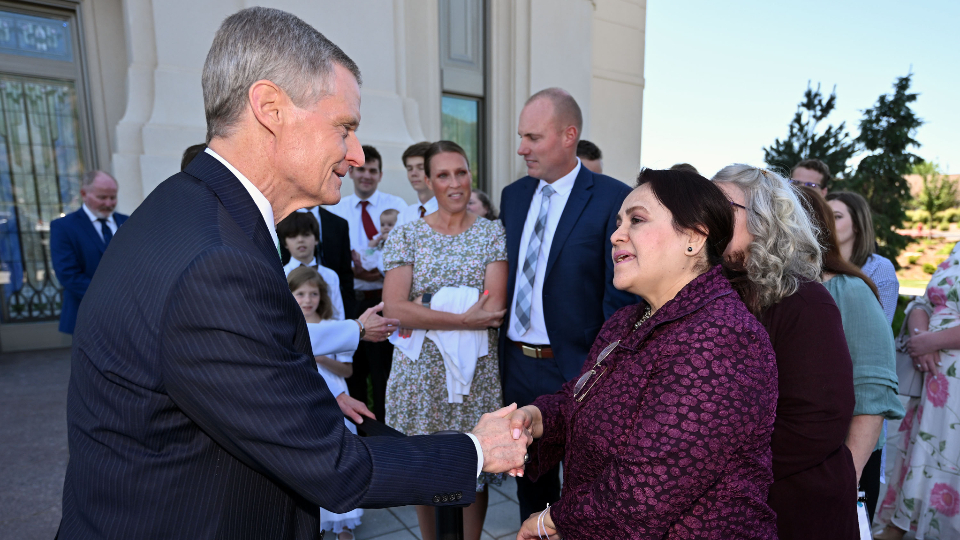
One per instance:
(142, 61)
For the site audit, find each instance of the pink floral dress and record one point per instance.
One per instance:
(923, 492)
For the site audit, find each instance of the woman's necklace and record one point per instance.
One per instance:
(646, 315)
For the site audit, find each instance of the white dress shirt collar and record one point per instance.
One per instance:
(93, 217)
(294, 264)
(564, 184)
(262, 203)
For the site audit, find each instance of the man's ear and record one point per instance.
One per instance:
(570, 136)
(268, 103)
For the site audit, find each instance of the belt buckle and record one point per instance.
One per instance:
(533, 352)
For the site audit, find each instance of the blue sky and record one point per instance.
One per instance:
(723, 79)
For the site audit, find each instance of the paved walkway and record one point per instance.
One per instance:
(33, 459)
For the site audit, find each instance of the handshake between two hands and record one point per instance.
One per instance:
(504, 436)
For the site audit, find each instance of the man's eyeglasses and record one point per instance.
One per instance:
(796, 182)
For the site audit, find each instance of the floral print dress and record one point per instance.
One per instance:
(416, 401)
(923, 493)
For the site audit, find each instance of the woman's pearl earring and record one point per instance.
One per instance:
(689, 249)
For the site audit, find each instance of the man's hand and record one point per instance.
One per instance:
(353, 408)
(529, 530)
(377, 328)
(501, 451)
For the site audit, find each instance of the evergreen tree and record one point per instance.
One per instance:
(834, 146)
(886, 132)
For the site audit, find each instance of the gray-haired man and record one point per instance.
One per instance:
(195, 409)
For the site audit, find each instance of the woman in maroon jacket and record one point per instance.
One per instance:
(814, 490)
(666, 434)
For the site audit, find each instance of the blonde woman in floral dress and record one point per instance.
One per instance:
(448, 248)
(924, 491)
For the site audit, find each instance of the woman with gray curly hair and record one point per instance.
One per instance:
(814, 479)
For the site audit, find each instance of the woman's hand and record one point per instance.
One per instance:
(377, 328)
(476, 318)
(927, 362)
(528, 531)
(921, 343)
(525, 420)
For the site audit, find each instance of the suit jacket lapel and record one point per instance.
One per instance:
(579, 196)
(237, 202)
(87, 228)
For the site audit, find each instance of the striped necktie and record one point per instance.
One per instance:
(525, 293)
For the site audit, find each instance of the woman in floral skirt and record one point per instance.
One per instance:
(923, 493)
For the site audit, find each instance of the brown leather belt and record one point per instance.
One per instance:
(534, 351)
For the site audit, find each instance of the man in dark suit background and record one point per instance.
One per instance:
(78, 240)
(558, 221)
(195, 409)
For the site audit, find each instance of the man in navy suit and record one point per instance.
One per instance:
(195, 410)
(77, 241)
(559, 220)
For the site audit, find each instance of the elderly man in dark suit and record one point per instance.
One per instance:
(78, 240)
(559, 220)
(195, 409)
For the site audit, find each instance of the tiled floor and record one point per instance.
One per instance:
(502, 523)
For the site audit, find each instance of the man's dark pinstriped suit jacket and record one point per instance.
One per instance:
(195, 409)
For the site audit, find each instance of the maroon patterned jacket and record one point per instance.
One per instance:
(673, 441)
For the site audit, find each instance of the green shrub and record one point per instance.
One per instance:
(944, 226)
(912, 259)
(953, 214)
(929, 268)
(946, 249)
(921, 215)
(940, 216)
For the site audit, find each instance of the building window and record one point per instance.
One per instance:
(43, 152)
(461, 124)
(462, 75)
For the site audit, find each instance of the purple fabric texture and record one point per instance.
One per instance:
(673, 441)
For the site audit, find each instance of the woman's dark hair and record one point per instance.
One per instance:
(305, 274)
(485, 201)
(864, 237)
(822, 216)
(442, 147)
(697, 204)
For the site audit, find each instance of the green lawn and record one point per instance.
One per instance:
(918, 283)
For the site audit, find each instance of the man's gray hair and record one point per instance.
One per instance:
(565, 109)
(785, 249)
(263, 43)
(89, 176)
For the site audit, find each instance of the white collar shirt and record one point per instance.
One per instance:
(97, 226)
(262, 203)
(349, 209)
(536, 334)
(412, 212)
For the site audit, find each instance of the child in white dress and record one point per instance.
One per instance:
(313, 297)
